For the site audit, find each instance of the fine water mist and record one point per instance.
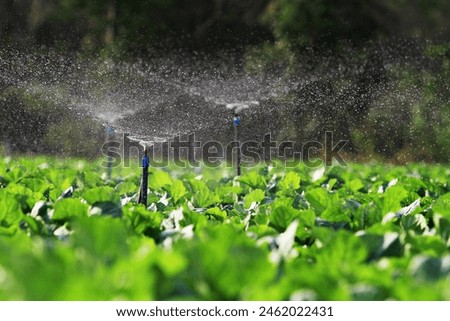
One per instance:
(158, 98)
(149, 100)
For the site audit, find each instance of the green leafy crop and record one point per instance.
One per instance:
(362, 232)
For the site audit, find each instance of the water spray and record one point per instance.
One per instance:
(144, 181)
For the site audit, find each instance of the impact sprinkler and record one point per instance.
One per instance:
(144, 181)
(237, 108)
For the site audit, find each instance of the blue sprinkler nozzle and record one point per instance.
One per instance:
(145, 161)
(236, 120)
(110, 131)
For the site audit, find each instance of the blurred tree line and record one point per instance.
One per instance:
(376, 72)
(134, 26)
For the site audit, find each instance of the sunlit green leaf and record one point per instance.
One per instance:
(177, 190)
(69, 208)
(158, 179)
(392, 199)
(100, 194)
(442, 205)
(10, 212)
(289, 183)
(216, 213)
(254, 180)
(256, 196)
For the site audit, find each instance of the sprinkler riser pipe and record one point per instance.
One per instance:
(236, 122)
(110, 138)
(144, 179)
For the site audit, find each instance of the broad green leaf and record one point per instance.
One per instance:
(318, 198)
(281, 216)
(14, 174)
(331, 183)
(228, 194)
(307, 217)
(327, 205)
(142, 220)
(90, 179)
(291, 181)
(262, 230)
(103, 239)
(392, 199)
(55, 193)
(37, 185)
(62, 179)
(34, 225)
(442, 205)
(127, 188)
(427, 244)
(217, 213)
(190, 217)
(10, 212)
(367, 215)
(202, 196)
(158, 179)
(254, 180)
(262, 217)
(177, 190)
(69, 208)
(355, 185)
(100, 194)
(25, 196)
(106, 208)
(343, 250)
(256, 196)
(222, 260)
(307, 220)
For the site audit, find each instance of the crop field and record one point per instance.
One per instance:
(360, 232)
